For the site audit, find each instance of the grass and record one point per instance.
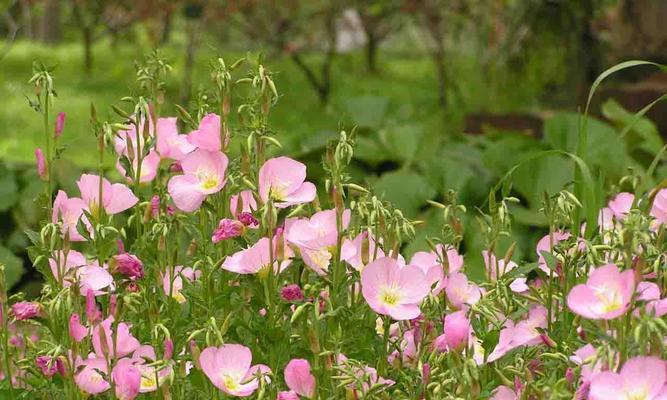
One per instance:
(408, 82)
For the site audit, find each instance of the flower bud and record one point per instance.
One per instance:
(128, 265)
(291, 293)
(41, 164)
(24, 310)
(60, 125)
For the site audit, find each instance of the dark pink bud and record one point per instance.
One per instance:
(155, 206)
(129, 265)
(112, 304)
(176, 167)
(582, 333)
(47, 367)
(569, 376)
(227, 229)
(549, 342)
(518, 386)
(121, 246)
(291, 293)
(41, 163)
(132, 287)
(60, 124)
(26, 310)
(426, 373)
(247, 219)
(168, 349)
(171, 210)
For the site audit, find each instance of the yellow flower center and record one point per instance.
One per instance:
(390, 297)
(207, 179)
(230, 383)
(321, 258)
(610, 299)
(641, 394)
(148, 382)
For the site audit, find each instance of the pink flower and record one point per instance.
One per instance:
(621, 204)
(524, 333)
(41, 164)
(283, 180)
(362, 250)
(176, 285)
(429, 263)
(586, 357)
(392, 290)
(127, 380)
(299, 378)
(169, 143)
(457, 330)
(125, 343)
(93, 314)
(291, 293)
(639, 378)
(316, 238)
(229, 368)
(248, 204)
(647, 291)
(126, 141)
(504, 393)
(68, 211)
(256, 258)
(60, 125)
(128, 265)
(47, 365)
(116, 197)
(606, 294)
(407, 346)
(152, 375)
(287, 396)
(207, 137)
(545, 245)
(75, 268)
(24, 310)
(460, 292)
(659, 207)
(204, 174)
(227, 229)
(518, 285)
(76, 330)
(90, 375)
(366, 374)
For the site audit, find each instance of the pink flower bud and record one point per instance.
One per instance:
(132, 287)
(155, 206)
(175, 167)
(426, 374)
(92, 313)
(121, 246)
(291, 395)
(291, 293)
(26, 310)
(569, 376)
(549, 342)
(227, 229)
(60, 124)
(112, 304)
(129, 265)
(262, 312)
(41, 164)
(168, 349)
(457, 330)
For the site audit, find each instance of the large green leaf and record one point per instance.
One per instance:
(13, 266)
(367, 111)
(642, 131)
(407, 190)
(9, 191)
(402, 141)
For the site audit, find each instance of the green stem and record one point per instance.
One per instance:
(5, 345)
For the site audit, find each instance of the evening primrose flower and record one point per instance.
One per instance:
(659, 207)
(170, 144)
(204, 174)
(605, 295)
(124, 343)
(90, 375)
(229, 368)
(127, 380)
(176, 285)
(392, 290)
(116, 197)
(429, 263)
(256, 258)
(523, 333)
(460, 291)
(207, 136)
(299, 379)
(283, 180)
(640, 378)
(68, 211)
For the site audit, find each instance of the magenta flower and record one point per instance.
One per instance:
(291, 293)
(127, 380)
(659, 207)
(24, 310)
(283, 180)
(76, 330)
(176, 285)
(639, 378)
(116, 197)
(299, 378)
(606, 294)
(457, 330)
(128, 265)
(68, 211)
(60, 125)
(460, 291)
(204, 174)
(125, 343)
(392, 290)
(229, 368)
(227, 229)
(524, 333)
(91, 375)
(41, 164)
(207, 137)
(169, 143)
(256, 258)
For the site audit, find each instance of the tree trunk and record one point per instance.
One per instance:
(167, 24)
(438, 56)
(26, 17)
(50, 28)
(371, 52)
(88, 50)
(190, 53)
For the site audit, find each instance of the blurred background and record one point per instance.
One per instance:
(448, 95)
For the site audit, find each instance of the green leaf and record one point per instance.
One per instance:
(367, 111)
(403, 141)
(13, 266)
(646, 133)
(9, 191)
(407, 190)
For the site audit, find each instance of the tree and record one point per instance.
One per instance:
(380, 18)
